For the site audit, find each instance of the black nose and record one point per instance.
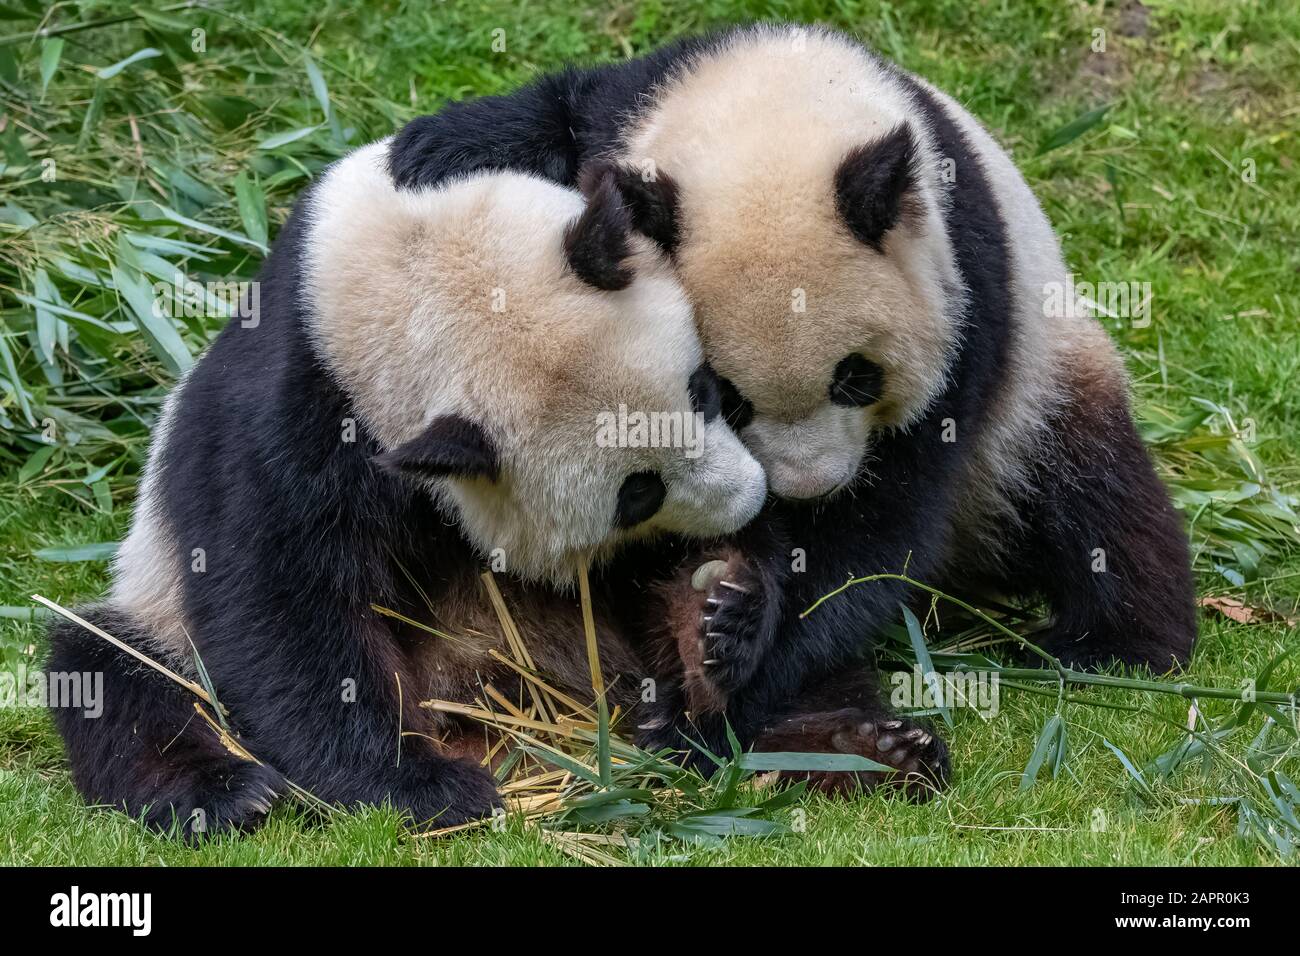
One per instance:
(857, 382)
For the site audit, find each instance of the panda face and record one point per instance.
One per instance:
(806, 228)
(524, 357)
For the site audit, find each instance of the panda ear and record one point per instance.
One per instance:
(451, 446)
(596, 243)
(652, 200)
(874, 184)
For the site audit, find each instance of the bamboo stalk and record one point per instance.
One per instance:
(514, 639)
(562, 697)
(189, 685)
(1059, 672)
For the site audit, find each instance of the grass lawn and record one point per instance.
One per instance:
(1188, 182)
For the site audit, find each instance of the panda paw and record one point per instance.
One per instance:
(237, 801)
(917, 757)
(732, 628)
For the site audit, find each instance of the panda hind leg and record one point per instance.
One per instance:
(143, 748)
(1106, 547)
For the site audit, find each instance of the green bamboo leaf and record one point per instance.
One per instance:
(603, 761)
(51, 50)
(36, 463)
(167, 212)
(252, 207)
(1049, 741)
(809, 761)
(47, 323)
(16, 380)
(108, 72)
(158, 330)
(1074, 129)
(318, 86)
(1133, 771)
(617, 810)
(284, 139)
(71, 554)
(159, 20)
(933, 680)
(91, 119)
(601, 797)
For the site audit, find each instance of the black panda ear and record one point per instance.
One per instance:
(596, 243)
(873, 185)
(451, 446)
(652, 200)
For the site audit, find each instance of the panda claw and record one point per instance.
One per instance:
(734, 587)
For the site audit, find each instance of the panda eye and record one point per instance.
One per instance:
(641, 496)
(737, 411)
(857, 382)
(705, 390)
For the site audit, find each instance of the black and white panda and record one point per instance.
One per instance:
(871, 276)
(420, 394)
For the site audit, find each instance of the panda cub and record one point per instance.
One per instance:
(420, 394)
(874, 282)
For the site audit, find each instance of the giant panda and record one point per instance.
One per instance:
(418, 397)
(870, 274)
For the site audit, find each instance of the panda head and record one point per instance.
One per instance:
(796, 192)
(508, 342)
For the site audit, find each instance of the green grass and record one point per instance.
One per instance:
(1153, 193)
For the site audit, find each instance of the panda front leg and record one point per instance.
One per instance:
(1106, 547)
(332, 704)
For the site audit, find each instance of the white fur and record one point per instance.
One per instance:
(146, 574)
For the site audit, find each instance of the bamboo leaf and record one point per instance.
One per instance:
(932, 679)
(284, 139)
(51, 50)
(1049, 741)
(1073, 129)
(810, 761)
(76, 553)
(108, 72)
(252, 208)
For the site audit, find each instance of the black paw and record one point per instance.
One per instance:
(451, 792)
(736, 623)
(237, 800)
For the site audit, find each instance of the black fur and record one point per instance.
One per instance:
(653, 202)
(150, 753)
(450, 445)
(872, 184)
(598, 241)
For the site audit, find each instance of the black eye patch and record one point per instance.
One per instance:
(857, 382)
(737, 411)
(639, 499)
(705, 390)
